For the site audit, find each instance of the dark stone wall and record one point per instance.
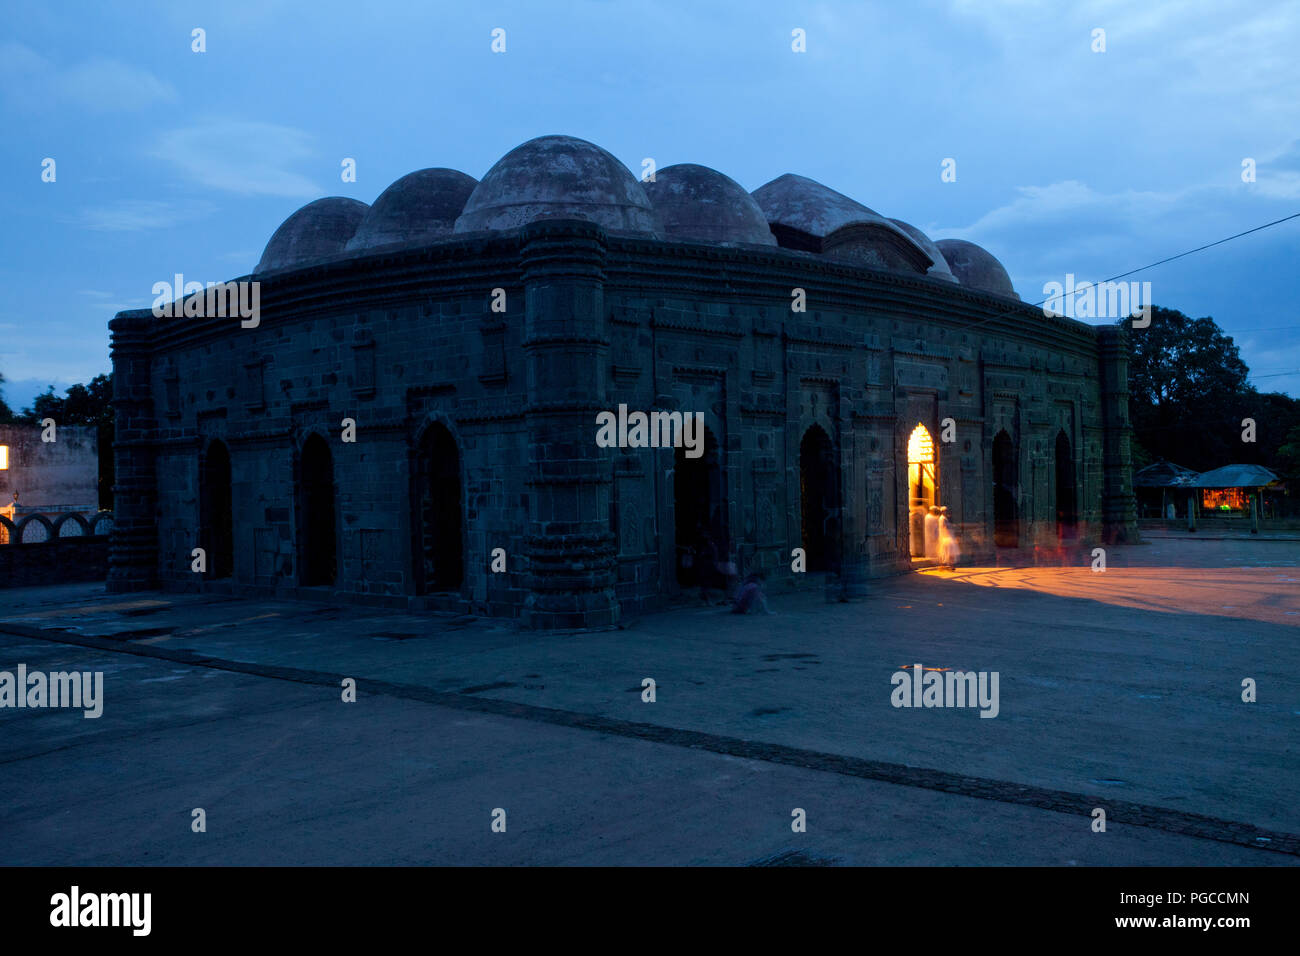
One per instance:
(61, 561)
(874, 355)
(400, 341)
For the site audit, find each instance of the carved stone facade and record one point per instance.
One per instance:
(411, 419)
(406, 341)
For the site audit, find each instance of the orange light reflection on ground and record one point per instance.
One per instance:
(1269, 594)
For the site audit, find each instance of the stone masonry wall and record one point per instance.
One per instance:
(403, 343)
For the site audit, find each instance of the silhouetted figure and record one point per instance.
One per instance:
(749, 596)
(707, 563)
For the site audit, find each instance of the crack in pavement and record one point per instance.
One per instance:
(1152, 817)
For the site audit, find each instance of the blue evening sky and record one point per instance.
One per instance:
(1068, 161)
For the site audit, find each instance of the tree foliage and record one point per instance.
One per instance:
(6, 413)
(80, 405)
(1188, 397)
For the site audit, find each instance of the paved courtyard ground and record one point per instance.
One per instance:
(1119, 690)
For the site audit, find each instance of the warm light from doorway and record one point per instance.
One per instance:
(4, 457)
(920, 448)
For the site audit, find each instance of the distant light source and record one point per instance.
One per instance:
(4, 457)
(920, 447)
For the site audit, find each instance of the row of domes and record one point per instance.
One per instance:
(561, 177)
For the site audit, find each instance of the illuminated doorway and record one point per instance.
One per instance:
(922, 486)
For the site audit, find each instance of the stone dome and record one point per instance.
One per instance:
(421, 206)
(975, 267)
(807, 216)
(798, 202)
(316, 231)
(558, 177)
(701, 204)
(940, 268)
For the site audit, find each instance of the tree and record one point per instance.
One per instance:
(1189, 396)
(1288, 456)
(81, 404)
(1188, 391)
(6, 413)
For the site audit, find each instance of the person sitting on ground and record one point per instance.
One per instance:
(750, 595)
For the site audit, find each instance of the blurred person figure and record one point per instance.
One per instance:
(932, 533)
(749, 596)
(949, 551)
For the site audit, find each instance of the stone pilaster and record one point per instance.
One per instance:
(855, 559)
(569, 544)
(1118, 506)
(133, 546)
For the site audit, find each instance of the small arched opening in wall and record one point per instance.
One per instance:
(439, 504)
(819, 499)
(700, 516)
(1006, 492)
(1067, 497)
(216, 520)
(317, 523)
(71, 526)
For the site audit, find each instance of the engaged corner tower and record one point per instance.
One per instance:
(569, 545)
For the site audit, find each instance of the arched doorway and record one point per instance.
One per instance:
(922, 486)
(1067, 515)
(819, 498)
(439, 545)
(317, 528)
(700, 516)
(1006, 492)
(216, 523)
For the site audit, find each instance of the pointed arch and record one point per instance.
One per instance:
(1067, 513)
(216, 518)
(1006, 492)
(700, 515)
(439, 503)
(317, 522)
(819, 499)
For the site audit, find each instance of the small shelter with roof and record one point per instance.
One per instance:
(1162, 486)
(1228, 490)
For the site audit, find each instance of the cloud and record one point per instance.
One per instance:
(1047, 231)
(105, 85)
(1278, 172)
(138, 215)
(99, 84)
(241, 156)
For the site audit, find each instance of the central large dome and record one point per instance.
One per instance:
(558, 177)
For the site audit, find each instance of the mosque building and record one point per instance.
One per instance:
(411, 421)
